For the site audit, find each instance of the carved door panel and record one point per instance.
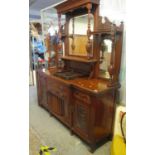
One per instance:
(81, 118)
(60, 99)
(38, 87)
(59, 107)
(56, 105)
(66, 111)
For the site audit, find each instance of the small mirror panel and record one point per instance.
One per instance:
(105, 56)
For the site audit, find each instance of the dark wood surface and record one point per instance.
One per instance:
(79, 59)
(94, 85)
(71, 5)
(84, 104)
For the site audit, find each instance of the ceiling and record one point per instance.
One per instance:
(36, 5)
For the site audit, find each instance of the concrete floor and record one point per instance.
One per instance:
(46, 130)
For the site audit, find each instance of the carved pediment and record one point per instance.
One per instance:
(71, 5)
(107, 26)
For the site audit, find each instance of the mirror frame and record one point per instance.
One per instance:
(110, 36)
(72, 35)
(105, 37)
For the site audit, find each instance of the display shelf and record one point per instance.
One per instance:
(79, 59)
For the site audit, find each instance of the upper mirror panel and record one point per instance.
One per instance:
(78, 34)
(105, 57)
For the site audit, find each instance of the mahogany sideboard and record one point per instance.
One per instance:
(81, 92)
(86, 106)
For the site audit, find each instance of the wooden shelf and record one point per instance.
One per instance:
(104, 32)
(100, 32)
(79, 59)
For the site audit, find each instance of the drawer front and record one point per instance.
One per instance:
(82, 97)
(58, 89)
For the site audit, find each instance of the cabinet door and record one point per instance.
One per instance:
(56, 105)
(81, 118)
(59, 107)
(42, 96)
(59, 100)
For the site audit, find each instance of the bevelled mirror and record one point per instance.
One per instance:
(78, 38)
(105, 57)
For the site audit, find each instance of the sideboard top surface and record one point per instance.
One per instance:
(94, 86)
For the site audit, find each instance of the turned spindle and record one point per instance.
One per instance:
(89, 44)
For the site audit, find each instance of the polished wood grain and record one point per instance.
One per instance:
(85, 105)
(71, 5)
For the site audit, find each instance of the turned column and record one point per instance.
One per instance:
(89, 45)
(112, 60)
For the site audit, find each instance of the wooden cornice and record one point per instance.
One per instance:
(73, 4)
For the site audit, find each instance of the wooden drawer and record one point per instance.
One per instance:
(58, 89)
(82, 96)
